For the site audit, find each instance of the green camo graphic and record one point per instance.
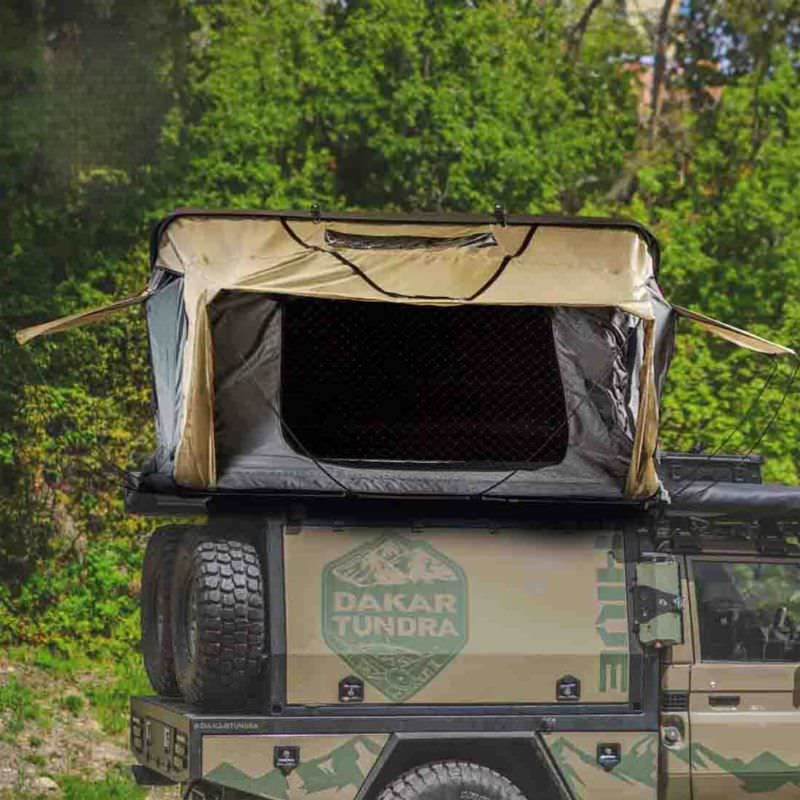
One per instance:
(395, 610)
(764, 773)
(638, 764)
(612, 599)
(334, 771)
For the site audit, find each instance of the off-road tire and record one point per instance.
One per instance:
(156, 606)
(218, 620)
(451, 780)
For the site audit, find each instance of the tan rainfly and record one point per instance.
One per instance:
(541, 264)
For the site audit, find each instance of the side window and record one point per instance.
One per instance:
(747, 611)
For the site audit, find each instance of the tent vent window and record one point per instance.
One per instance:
(392, 382)
(349, 241)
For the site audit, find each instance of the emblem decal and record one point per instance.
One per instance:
(395, 610)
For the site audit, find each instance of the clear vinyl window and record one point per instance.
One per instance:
(748, 611)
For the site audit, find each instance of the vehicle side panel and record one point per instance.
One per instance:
(455, 616)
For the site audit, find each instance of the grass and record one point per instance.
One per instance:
(110, 700)
(72, 703)
(117, 786)
(109, 691)
(81, 687)
(17, 705)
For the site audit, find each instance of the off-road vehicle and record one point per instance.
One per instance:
(442, 555)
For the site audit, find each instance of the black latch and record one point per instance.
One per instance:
(286, 757)
(568, 689)
(608, 755)
(650, 602)
(770, 541)
(351, 690)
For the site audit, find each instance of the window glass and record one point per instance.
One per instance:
(748, 612)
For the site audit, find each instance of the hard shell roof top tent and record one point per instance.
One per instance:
(417, 355)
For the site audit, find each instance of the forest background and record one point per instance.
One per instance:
(113, 112)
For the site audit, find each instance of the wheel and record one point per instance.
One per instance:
(444, 780)
(155, 605)
(218, 618)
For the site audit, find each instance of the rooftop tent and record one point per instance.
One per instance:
(406, 355)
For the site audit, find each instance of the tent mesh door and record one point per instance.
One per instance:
(394, 382)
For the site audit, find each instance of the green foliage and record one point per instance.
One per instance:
(731, 249)
(113, 112)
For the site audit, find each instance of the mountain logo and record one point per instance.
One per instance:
(395, 611)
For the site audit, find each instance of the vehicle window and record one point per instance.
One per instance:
(748, 612)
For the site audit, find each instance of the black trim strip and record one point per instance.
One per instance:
(277, 615)
(546, 754)
(374, 775)
(182, 716)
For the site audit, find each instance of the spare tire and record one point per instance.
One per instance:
(155, 606)
(218, 619)
(444, 780)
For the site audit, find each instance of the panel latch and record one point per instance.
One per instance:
(286, 757)
(568, 689)
(351, 690)
(609, 754)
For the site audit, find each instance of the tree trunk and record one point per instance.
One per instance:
(659, 70)
(576, 34)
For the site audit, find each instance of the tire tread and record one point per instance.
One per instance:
(443, 774)
(231, 621)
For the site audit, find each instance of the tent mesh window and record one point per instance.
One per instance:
(393, 382)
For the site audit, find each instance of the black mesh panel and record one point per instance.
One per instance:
(392, 382)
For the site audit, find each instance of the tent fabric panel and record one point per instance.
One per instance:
(246, 334)
(195, 457)
(737, 336)
(166, 324)
(643, 481)
(527, 265)
(665, 338)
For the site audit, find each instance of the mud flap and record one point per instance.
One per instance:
(658, 607)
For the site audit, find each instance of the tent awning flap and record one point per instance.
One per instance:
(81, 318)
(737, 336)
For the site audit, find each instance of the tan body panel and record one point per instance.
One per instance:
(331, 767)
(521, 609)
(750, 745)
(634, 778)
(676, 755)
